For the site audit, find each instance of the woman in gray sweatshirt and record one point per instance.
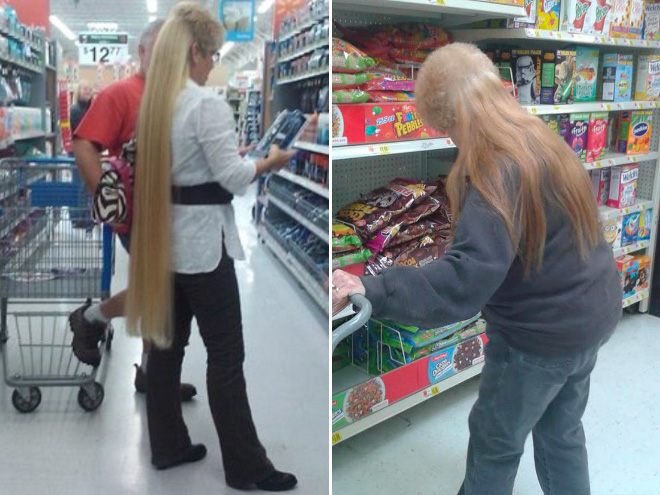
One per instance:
(529, 252)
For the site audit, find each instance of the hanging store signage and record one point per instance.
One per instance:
(102, 48)
(238, 19)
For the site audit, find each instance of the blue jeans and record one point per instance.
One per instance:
(519, 393)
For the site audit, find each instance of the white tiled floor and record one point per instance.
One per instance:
(59, 449)
(422, 451)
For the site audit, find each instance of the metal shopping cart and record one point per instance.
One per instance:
(52, 256)
(359, 320)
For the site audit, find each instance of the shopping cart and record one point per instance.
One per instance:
(52, 256)
(359, 320)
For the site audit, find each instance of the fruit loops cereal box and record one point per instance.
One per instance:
(619, 19)
(635, 132)
(586, 16)
(586, 74)
(600, 181)
(612, 231)
(623, 186)
(630, 229)
(644, 268)
(617, 77)
(527, 74)
(652, 20)
(578, 137)
(645, 223)
(635, 18)
(597, 137)
(648, 78)
(548, 15)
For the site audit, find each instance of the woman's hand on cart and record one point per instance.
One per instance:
(345, 285)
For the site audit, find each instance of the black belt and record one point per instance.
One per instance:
(210, 193)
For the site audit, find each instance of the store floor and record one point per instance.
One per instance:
(60, 449)
(422, 451)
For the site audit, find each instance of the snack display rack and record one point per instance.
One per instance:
(292, 210)
(358, 169)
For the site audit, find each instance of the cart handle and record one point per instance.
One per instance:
(45, 159)
(358, 321)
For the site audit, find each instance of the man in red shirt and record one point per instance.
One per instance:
(109, 123)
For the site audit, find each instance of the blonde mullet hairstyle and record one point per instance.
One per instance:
(459, 88)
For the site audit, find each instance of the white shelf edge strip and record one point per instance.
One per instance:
(591, 106)
(297, 270)
(404, 404)
(300, 53)
(607, 213)
(378, 149)
(620, 159)
(322, 149)
(303, 77)
(298, 217)
(306, 183)
(457, 7)
(640, 296)
(630, 249)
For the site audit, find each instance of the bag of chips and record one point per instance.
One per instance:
(428, 251)
(347, 58)
(340, 260)
(344, 238)
(349, 96)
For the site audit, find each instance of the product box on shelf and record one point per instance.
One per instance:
(628, 270)
(645, 223)
(504, 58)
(564, 121)
(586, 73)
(630, 226)
(619, 18)
(647, 87)
(529, 20)
(552, 121)
(600, 181)
(652, 20)
(635, 18)
(644, 271)
(378, 123)
(564, 76)
(527, 64)
(586, 16)
(597, 136)
(617, 77)
(612, 230)
(548, 14)
(634, 136)
(376, 393)
(578, 137)
(623, 186)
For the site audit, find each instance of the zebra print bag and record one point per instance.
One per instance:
(113, 199)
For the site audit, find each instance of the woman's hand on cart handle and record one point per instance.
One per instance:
(344, 285)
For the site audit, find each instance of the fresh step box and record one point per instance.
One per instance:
(623, 186)
(647, 87)
(617, 77)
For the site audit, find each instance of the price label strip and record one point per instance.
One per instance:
(336, 438)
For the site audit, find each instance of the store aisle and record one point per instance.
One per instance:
(422, 451)
(59, 449)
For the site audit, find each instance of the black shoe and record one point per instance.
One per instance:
(195, 453)
(86, 336)
(277, 481)
(188, 390)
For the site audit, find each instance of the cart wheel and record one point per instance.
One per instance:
(29, 405)
(91, 402)
(108, 340)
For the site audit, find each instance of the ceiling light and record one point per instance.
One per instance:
(152, 6)
(64, 29)
(153, 17)
(225, 48)
(102, 26)
(265, 6)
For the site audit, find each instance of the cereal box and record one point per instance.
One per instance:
(635, 18)
(565, 126)
(600, 182)
(623, 186)
(529, 20)
(645, 224)
(503, 58)
(644, 268)
(635, 132)
(628, 270)
(548, 14)
(597, 137)
(586, 16)
(564, 76)
(612, 232)
(648, 78)
(552, 121)
(630, 229)
(617, 77)
(578, 137)
(527, 75)
(548, 77)
(652, 20)
(619, 18)
(586, 73)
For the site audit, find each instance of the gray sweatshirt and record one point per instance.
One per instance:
(567, 306)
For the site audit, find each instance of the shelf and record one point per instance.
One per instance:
(607, 213)
(297, 270)
(22, 39)
(288, 58)
(306, 183)
(300, 29)
(23, 65)
(29, 135)
(631, 249)
(321, 149)
(629, 301)
(592, 106)
(361, 150)
(472, 10)
(51, 67)
(615, 159)
(309, 75)
(305, 222)
(526, 34)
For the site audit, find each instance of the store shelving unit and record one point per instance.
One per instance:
(361, 168)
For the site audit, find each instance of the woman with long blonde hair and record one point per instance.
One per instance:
(183, 242)
(528, 252)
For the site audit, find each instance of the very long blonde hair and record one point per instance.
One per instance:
(459, 89)
(149, 302)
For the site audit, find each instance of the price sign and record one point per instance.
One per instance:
(384, 150)
(102, 48)
(336, 438)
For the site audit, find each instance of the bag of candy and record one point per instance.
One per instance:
(347, 58)
(403, 56)
(340, 260)
(389, 83)
(390, 96)
(425, 253)
(350, 96)
(344, 238)
(416, 36)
